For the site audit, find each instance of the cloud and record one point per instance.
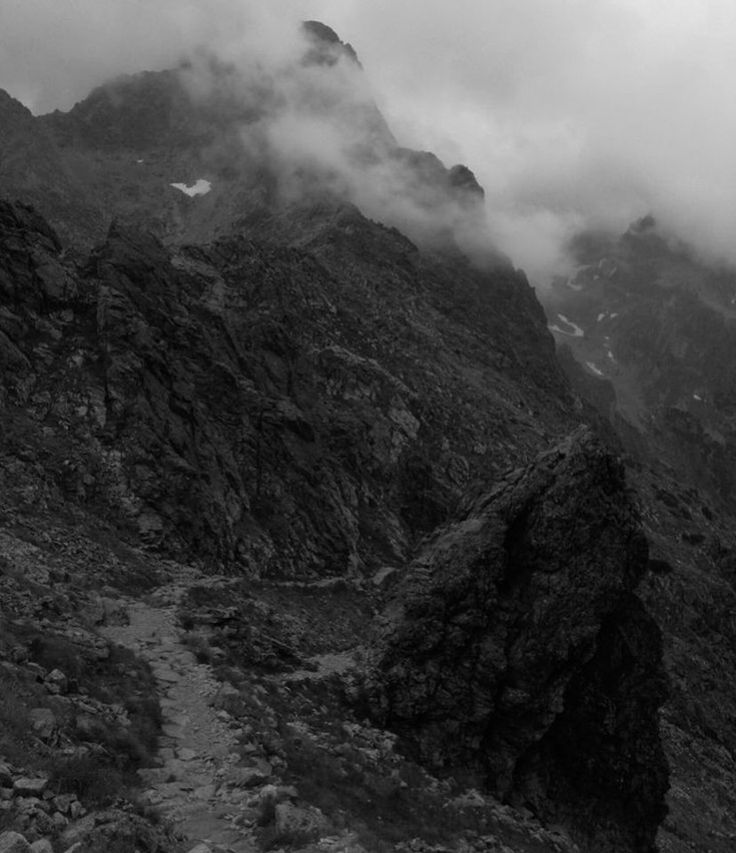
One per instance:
(53, 51)
(578, 112)
(574, 113)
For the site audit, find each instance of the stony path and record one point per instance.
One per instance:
(197, 747)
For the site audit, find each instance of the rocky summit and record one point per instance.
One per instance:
(313, 534)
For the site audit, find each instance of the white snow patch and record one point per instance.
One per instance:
(613, 316)
(610, 354)
(139, 161)
(201, 187)
(698, 398)
(576, 332)
(601, 317)
(596, 370)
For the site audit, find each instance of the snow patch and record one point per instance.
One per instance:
(601, 317)
(576, 332)
(698, 398)
(594, 368)
(201, 187)
(140, 161)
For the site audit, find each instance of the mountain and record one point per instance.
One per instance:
(645, 333)
(258, 142)
(288, 458)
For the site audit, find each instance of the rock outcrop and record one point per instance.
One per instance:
(516, 652)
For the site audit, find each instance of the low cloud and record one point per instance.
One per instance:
(580, 113)
(309, 130)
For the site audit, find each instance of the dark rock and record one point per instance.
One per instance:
(509, 630)
(78, 831)
(30, 787)
(299, 824)
(13, 842)
(56, 682)
(76, 810)
(63, 802)
(43, 723)
(326, 44)
(248, 777)
(90, 728)
(464, 182)
(230, 700)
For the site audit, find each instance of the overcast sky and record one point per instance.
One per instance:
(571, 112)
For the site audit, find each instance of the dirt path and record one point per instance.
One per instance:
(197, 749)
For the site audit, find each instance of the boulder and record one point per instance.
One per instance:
(30, 787)
(299, 824)
(514, 629)
(90, 728)
(230, 700)
(57, 682)
(43, 723)
(62, 802)
(77, 831)
(249, 777)
(43, 823)
(60, 822)
(13, 842)
(114, 611)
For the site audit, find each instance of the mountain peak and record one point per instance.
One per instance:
(327, 47)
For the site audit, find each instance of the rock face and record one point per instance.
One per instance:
(515, 650)
(264, 407)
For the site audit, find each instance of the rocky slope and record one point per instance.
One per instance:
(207, 396)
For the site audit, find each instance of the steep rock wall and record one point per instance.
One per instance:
(514, 650)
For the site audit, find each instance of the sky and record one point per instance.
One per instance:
(572, 113)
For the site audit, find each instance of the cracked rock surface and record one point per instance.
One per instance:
(515, 649)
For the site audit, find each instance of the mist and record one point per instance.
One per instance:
(577, 114)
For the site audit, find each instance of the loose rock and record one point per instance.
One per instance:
(14, 842)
